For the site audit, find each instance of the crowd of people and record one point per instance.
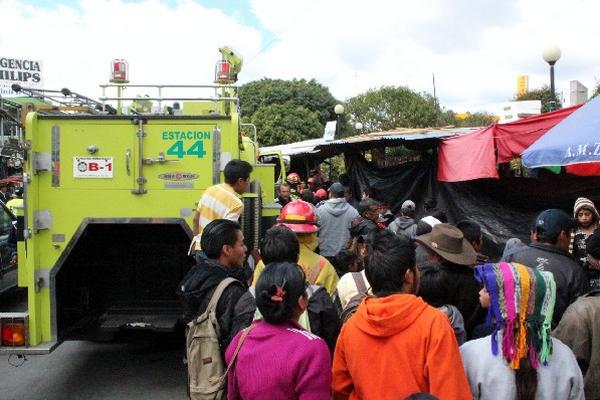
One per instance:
(349, 301)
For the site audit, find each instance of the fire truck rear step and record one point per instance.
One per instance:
(159, 319)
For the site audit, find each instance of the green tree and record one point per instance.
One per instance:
(446, 118)
(543, 94)
(309, 94)
(596, 91)
(392, 107)
(286, 123)
(476, 119)
(305, 108)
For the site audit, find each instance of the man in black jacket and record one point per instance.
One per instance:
(447, 245)
(549, 252)
(366, 222)
(223, 243)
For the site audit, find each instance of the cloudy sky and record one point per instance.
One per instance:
(475, 48)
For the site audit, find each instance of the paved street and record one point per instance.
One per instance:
(146, 366)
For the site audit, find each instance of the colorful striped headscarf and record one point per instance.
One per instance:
(521, 308)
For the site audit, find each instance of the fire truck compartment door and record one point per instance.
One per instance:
(97, 156)
(178, 156)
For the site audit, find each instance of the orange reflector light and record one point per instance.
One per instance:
(13, 333)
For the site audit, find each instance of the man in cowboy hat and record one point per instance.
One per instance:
(447, 245)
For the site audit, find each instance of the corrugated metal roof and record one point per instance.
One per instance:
(314, 147)
(293, 149)
(400, 134)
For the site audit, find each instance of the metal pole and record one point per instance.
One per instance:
(552, 91)
(337, 126)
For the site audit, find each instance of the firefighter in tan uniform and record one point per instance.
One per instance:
(301, 219)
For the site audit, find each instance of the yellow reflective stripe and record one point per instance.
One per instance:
(295, 217)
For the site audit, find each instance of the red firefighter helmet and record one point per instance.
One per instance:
(299, 216)
(293, 178)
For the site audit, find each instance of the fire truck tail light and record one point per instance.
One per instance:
(13, 331)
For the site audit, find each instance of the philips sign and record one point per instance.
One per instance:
(25, 72)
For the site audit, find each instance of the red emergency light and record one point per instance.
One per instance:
(223, 72)
(119, 71)
(14, 331)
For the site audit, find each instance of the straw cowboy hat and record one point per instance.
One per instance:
(449, 243)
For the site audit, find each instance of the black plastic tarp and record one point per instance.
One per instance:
(504, 208)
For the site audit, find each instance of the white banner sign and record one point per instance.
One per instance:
(27, 73)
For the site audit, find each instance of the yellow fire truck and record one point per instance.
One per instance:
(109, 200)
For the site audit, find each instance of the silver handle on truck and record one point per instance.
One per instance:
(140, 180)
(160, 160)
(127, 161)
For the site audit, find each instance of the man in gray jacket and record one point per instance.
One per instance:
(405, 224)
(334, 218)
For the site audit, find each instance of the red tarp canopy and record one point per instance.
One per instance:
(475, 155)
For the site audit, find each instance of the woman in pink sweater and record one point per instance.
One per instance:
(278, 359)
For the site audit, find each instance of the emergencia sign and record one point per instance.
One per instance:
(25, 72)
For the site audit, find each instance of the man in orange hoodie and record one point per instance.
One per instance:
(396, 344)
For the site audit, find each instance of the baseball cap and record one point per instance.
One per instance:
(337, 189)
(551, 222)
(409, 205)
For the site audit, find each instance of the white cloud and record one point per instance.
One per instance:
(162, 44)
(475, 49)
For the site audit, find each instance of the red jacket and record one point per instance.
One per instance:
(395, 346)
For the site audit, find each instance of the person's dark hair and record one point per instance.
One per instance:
(533, 224)
(344, 179)
(284, 184)
(217, 234)
(423, 228)
(389, 257)
(421, 396)
(236, 169)
(429, 204)
(471, 230)
(434, 284)
(279, 244)
(526, 380)
(278, 289)
(308, 196)
(547, 237)
(407, 212)
(343, 260)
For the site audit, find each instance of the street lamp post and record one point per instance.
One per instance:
(551, 55)
(339, 110)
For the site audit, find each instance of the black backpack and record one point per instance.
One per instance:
(355, 301)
